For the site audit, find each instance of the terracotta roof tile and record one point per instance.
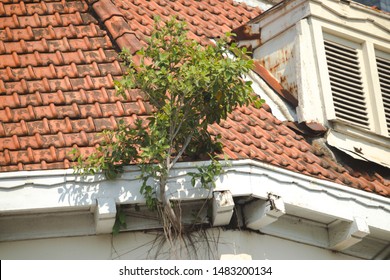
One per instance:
(58, 61)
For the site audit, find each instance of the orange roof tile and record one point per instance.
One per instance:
(58, 61)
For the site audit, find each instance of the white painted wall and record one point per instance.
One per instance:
(137, 245)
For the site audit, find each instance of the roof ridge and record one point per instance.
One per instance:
(115, 22)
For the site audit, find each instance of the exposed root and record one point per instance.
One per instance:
(180, 240)
(197, 243)
(171, 223)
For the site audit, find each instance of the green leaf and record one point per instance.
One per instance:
(193, 181)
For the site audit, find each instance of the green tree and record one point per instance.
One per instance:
(190, 87)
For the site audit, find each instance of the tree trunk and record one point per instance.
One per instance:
(171, 222)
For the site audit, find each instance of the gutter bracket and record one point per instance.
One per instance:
(105, 214)
(223, 205)
(261, 213)
(346, 234)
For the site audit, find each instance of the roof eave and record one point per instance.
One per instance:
(329, 204)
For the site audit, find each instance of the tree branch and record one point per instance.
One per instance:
(188, 140)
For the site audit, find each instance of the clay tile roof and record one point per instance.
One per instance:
(58, 61)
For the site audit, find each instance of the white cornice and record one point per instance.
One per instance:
(78, 205)
(28, 190)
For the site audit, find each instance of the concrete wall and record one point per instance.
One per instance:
(137, 245)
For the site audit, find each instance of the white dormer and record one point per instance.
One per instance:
(334, 57)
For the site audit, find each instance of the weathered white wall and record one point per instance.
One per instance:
(137, 246)
(276, 55)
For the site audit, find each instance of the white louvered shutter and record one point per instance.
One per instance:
(383, 66)
(346, 84)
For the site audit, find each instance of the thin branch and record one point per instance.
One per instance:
(187, 108)
(188, 140)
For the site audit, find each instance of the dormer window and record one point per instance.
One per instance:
(334, 57)
(359, 78)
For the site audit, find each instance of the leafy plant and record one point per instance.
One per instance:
(207, 174)
(190, 87)
(120, 221)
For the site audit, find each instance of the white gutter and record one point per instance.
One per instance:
(60, 190)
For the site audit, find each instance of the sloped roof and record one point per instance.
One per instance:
(58, 61)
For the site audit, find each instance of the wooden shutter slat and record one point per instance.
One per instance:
(346, 84)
